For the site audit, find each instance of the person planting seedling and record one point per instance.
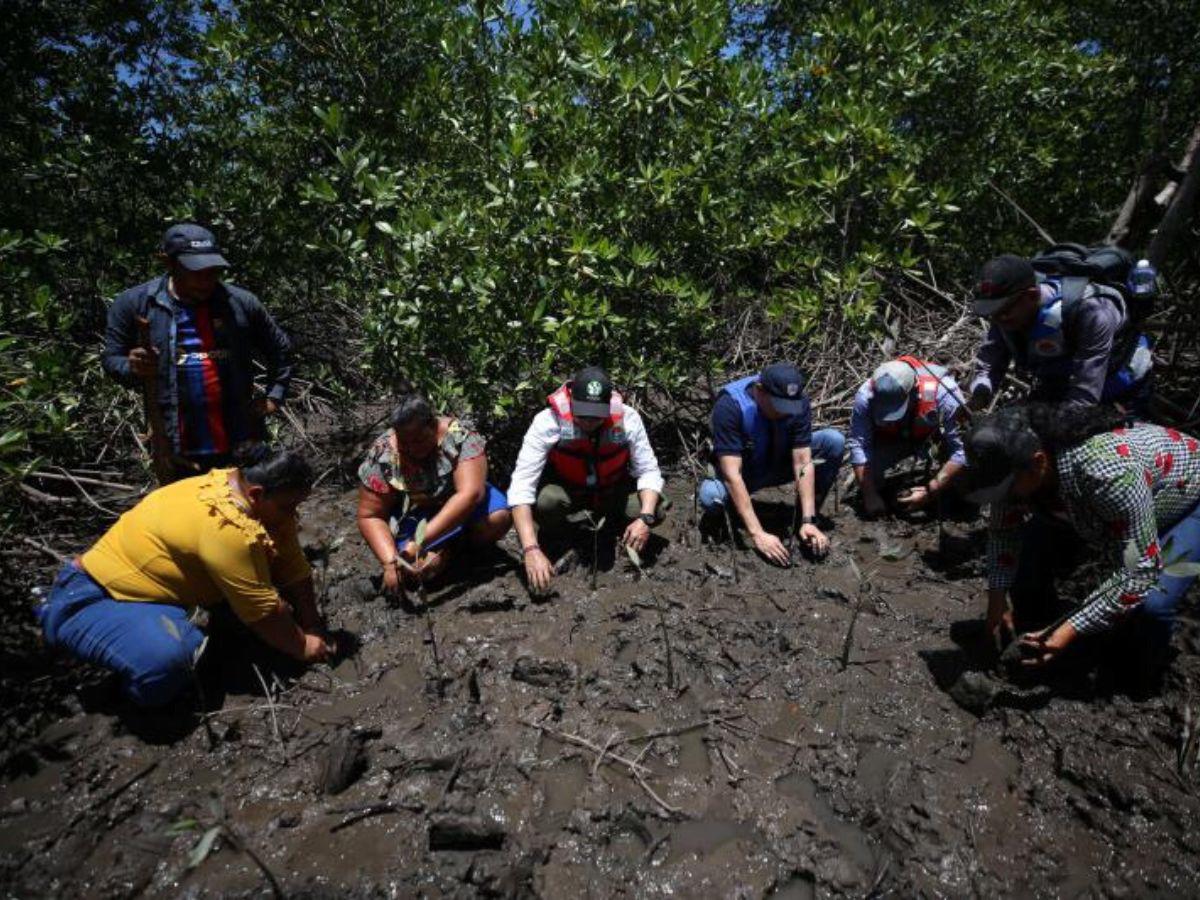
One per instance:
(762, 437)
(906, 405)
(1131, 492)
(225, 537)
(597, 459)
(427, 468)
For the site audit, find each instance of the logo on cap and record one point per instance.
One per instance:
(594, 389)
(793, 390)
(200, 245)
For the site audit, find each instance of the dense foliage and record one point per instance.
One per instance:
(481, 196)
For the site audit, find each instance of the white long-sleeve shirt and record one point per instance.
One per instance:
(544, 433)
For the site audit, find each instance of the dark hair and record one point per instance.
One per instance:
(413, 407)
(1006, 440)
(274, 470)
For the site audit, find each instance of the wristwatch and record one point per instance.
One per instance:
(649, 519)
(808, 520)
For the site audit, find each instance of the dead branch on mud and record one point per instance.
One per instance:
(633, 768)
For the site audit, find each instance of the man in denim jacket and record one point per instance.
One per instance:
(203, 335)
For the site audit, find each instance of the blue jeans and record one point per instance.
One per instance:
(1033, 595)
(149, 645)
(493, 500)
(827, 445)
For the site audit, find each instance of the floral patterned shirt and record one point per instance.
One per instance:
(428, 482)
(1120, 490)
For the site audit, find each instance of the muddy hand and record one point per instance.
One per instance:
(814, 538)
(771, 547)
(914, 499)
(538, 570)
(636, 535)
(1042, 647)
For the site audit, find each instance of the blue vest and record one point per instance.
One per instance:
(1044, 352)
(1047, 355)
(756, 462)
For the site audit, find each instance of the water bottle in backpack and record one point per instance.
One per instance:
(1143, 280)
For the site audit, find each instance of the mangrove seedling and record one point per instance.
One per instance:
(636, 559)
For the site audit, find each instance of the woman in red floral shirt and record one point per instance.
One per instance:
(1131, 492)
(426, 467)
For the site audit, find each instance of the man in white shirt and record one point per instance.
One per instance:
(600, 460)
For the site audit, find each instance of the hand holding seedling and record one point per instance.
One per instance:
(637, 533)
(1042, 647)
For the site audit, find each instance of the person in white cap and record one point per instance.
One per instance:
(898, 412)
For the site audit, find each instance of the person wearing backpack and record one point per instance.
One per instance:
(1076, 337)
(903, 407)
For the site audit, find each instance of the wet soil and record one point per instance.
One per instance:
(708, 729)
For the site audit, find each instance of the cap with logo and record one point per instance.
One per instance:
(891, 386)
(785, 385)
(193, 246)
(998, 448)
(591, 393)
(1000, 281)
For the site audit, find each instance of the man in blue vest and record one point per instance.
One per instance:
(762, 437)
(192, 339)
(1074, 339)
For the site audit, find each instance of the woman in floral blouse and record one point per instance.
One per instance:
(426, 467)
(1130, 492)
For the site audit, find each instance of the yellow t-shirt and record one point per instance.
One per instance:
(191, 543)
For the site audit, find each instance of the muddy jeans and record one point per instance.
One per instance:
(151, 646)
(556, 506)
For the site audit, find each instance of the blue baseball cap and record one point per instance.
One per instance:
(194, 247)
(784, 383)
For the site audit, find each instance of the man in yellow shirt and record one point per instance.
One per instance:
(225, 537)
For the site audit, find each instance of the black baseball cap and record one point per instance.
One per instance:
(194, 247)
(998, 447)
(1000, 281)
(785, 385)
(591, 393)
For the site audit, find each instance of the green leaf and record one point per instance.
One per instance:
(203, 847)
(419, 534)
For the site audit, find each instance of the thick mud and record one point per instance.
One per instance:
(716, 728)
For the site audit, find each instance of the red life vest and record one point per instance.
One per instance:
(589, 462)
(921, 422)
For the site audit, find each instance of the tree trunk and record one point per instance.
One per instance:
(1182, 204)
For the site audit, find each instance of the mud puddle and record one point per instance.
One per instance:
(561, 755)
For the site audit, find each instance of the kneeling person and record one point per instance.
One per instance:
(763, 437)
(600, 460)
(228, 536)
(441, 466)
(897, 413)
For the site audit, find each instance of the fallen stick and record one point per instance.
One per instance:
(271, 707)
(578, 741)
(83, 479)
(370, 811)
(38, 545)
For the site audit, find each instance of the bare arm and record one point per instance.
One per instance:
(279, 630)
(731, 474)
(470, 478)
(302, 598)
(373, 512)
